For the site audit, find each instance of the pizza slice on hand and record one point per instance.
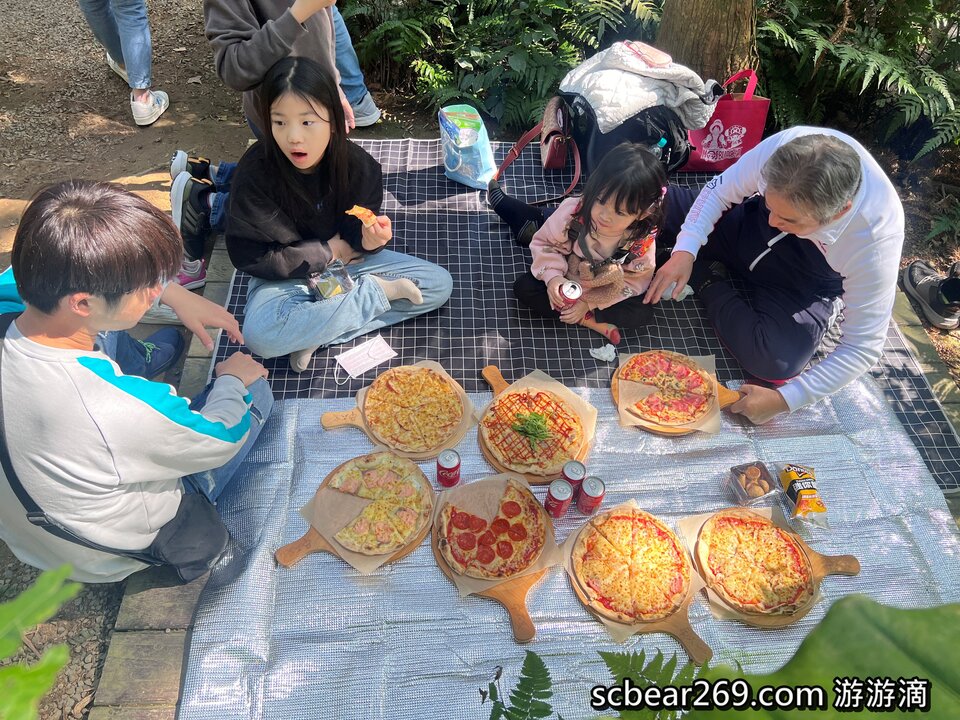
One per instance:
(367, 217)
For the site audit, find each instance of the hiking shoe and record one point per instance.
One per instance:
(937, 296)
(160, 314)
(366, 112)
(147, 112)
(118, 69)
(198, 167)
(190, 207)
(151, 357)
(193, 274)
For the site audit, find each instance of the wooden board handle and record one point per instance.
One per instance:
(696, 648)
(726, 396)
(290, 555)
(840, 565)
(492, 374)
(523, 629)
(346, 418)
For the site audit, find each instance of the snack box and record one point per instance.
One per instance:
(752, 483)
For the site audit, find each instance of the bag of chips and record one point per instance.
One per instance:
(799, 484)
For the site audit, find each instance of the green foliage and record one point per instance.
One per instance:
(506, 58)
(22, 685)
(528, 700)
(948, 223)
(889, 65)
(643, 674)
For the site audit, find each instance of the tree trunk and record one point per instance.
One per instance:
(714, 38)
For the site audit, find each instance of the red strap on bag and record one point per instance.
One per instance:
(525, 140)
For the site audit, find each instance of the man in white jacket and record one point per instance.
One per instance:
(806, 220)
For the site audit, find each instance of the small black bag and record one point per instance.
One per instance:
(650, 128)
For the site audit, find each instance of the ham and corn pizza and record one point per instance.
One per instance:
(532, 431)
(505, 546)
(367, 217)
(630, 566)
(755, 566)
(402, 502)
(684, 392)
(413, 409)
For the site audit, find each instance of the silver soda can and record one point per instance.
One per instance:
(559, 497)
(448, 468)
(574, 472)
(591, 495)
(570, 292)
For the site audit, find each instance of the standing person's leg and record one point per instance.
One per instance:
(99, 17)
(134, 29)
(213, 482)
(283, 317)
(365, 109)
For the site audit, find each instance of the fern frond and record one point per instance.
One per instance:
(528, 700)
(642, 673)
(777, 32)
(945, 130)
(947, 224)
(936, 81)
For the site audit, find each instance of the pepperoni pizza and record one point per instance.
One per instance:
(507, 545)
(755, 566)
(683, 391)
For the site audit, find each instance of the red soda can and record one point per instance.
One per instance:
(574, 472)
(570, 292)
(448, 468)
(559, 497)
(592, 490)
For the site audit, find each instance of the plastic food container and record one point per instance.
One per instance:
(752, 483)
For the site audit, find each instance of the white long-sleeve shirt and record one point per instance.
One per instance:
(103, 452)
(863, 245)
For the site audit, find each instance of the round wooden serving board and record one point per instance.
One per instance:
(512, 594)
(725, 396)
(821, 566)
(312, 541)
(355, 418)
(492, 374)
(676, 624)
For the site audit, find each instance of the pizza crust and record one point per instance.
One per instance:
(755, 566)
(515, 451)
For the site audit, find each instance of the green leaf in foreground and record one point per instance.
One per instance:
(532, 426)
(860, 638)
(528, 700)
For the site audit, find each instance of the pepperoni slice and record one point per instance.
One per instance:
(504, 549)
(681, 371)
(517, 532)
(663, 362)
(485, 554)
(488, 538)
(477, 524)
(461, 520)
(693, 382)
(648, 370)
(510, 509)
(467, 541)
(500, 526)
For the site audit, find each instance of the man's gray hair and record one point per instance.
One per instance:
(818, 174)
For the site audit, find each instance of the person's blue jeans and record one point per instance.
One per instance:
(283, 317)
(222, 178)
(121, 26)
(348, 65)
(213, 482)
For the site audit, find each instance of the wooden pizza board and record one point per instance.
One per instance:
(492, 374)
(676, 624)
(355, 418)
(512, 594)
(725, 396)
(821, 566)
(312, 541)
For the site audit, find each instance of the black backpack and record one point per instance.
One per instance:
(650, 127)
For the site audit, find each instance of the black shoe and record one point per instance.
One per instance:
(190, 206)
(198, 167)
(494, 194)
(938, 296)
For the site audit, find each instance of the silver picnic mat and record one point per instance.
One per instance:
(322, 641)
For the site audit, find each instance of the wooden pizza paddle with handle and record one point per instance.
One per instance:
(492, 374)
(725, 397)
(344, 418)
(512, 594)
(312, 541)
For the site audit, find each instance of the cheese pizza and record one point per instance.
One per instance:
(402, 502)
(683, 391)
(505, 546)
(630, 566)
(413, 409)
(532, 431)
(367, 217)
(755, 566)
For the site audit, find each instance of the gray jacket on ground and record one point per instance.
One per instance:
(250, 36)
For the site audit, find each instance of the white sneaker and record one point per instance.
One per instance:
(118, 69)
(366, 112)
(146, 113)
(160, 314)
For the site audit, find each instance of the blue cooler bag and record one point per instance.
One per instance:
(467, 155)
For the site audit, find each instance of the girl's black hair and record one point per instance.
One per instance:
(314, 84)
(634, 179)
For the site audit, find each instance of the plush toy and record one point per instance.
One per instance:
(605, 285)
